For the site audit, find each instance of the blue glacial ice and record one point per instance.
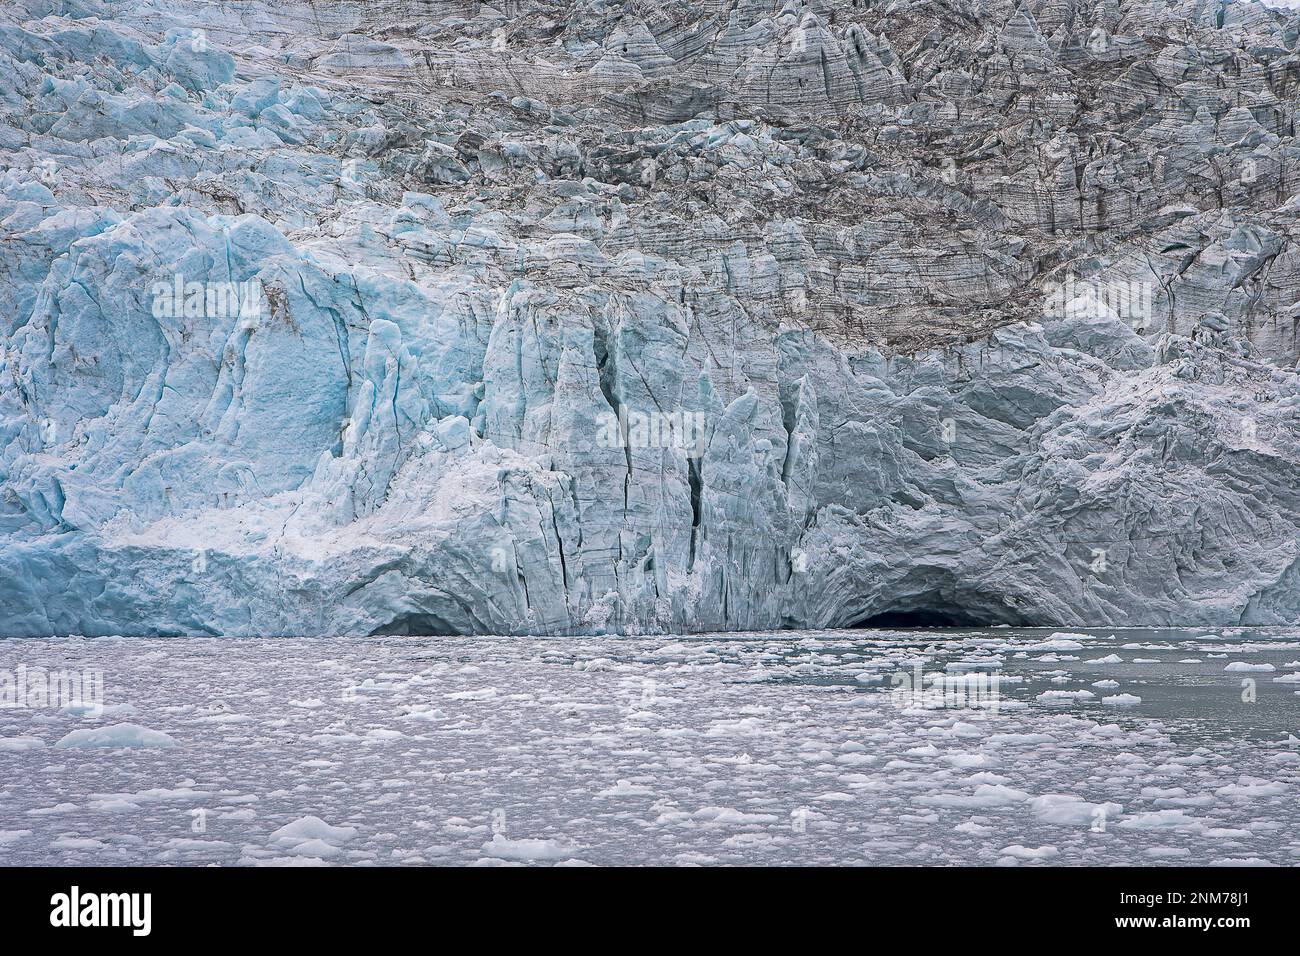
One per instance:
(282, 354)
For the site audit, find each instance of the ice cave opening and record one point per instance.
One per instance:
(922, 617)
(416, 625)
(938, 611)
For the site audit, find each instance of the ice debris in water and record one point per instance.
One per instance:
(117, 735)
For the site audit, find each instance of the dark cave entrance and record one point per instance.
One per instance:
(415, 625)
(922, 617)
(936, 609)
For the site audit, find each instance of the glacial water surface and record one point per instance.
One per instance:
(1137, 746)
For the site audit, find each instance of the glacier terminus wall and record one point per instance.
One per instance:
(630, 316)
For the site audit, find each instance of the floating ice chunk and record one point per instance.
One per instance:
(1067, 809)
(21, 743)
(425, 712)
(314, 849)
(1249, 787)
(1288, 678)
(1108, 659)
(117, 735)
(723, 816)
(77, 843)
(504, 849)
(222, 718)
(1016, 738)
(625, 788)
(309, 828)
(1063, 696)
(1246, 861)
(1059, 642)
(855, 760)
(1243, 666)
(1121, 700)
(985, 777)
(487, 693)
(311, 837)
(985, 795)
(965, 760)
(285, 861)
(1105, 684)
(1026, 853)
(113, 805)
(1162, 820)
(82, 709)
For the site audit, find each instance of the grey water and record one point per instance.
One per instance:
(783, 747)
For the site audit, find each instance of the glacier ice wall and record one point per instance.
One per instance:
(441, 318)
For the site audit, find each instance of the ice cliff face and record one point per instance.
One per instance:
(435, 317)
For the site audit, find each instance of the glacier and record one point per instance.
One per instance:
(399, 317)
